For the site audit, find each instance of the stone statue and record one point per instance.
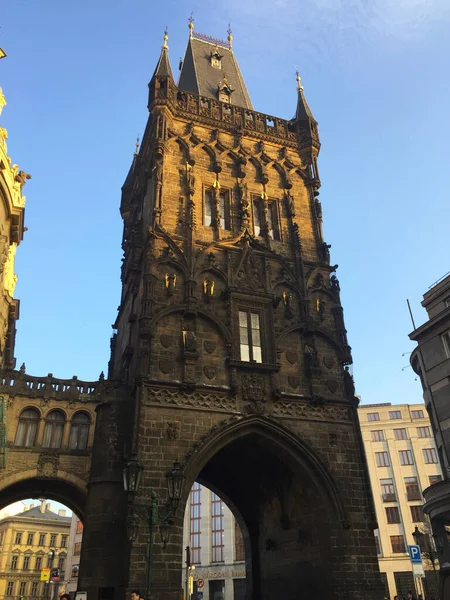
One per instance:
(171, 283)
(190, 179)
(290, 204)
(189, 341)
(349, 384)
(318, 208)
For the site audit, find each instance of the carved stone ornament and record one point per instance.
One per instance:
(173, 430)
(300, 410)
(294, 382)
(332, 385)
(254, 387)
(209, 346)
(47, 466)
(211, 401)
(291, 356)
(165, 365)
(209, 371)
(328, 361)
(166, 340)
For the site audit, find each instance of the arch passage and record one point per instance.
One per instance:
(289, 518)
(56, 489)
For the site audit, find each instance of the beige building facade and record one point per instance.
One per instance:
(402, 461)
(73, 555)
(216, 547)
(31, 540)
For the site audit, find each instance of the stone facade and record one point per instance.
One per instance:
(230, 356)
(231, 352)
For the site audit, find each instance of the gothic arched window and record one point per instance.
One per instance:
(79, 431)
(28, 426)
(53, 431)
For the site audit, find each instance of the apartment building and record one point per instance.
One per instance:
(31, 540)
(403, 461)
(216, 547)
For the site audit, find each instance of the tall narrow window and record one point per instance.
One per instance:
(27, 429)
(26, 562)
(38, 563)
(14, 560)
(34, 588)
(216, 528)
(412, 488)
(258, 217)
(22, 588)
(250, 336)
(195, 525)
(272, 220)
(392, 514)
(79, 431)
(388, 490)
(42, 539)
(18, 538)
(30, 539)
(400, 434)
(208, 212)
(53, 431)
(224, 210)
(61, 565)
(398, 543)
(10, 588)
(53, 539)
(238, 542)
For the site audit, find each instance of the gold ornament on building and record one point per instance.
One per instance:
(9, 277)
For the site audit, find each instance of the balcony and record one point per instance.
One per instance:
(437, 500)
(413, 494)
(389, 497)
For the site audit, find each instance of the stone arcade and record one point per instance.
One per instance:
(229, 355)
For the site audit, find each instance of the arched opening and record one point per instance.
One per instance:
(214, 551)
(41, 545)
(285, 502)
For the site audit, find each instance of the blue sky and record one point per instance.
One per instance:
(374, 75)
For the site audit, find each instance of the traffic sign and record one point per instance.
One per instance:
(199, 595)
(200, 583)
(45, 574)
(55, 574)
(418, 570)
(414, 554)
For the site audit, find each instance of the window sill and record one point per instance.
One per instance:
(241, 364)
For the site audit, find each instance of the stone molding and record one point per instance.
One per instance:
(199, 400)
(299, 410)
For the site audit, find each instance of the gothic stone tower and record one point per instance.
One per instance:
(231, 349)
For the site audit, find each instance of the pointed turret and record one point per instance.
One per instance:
(162, 77)
(308, 131)
(128, 183)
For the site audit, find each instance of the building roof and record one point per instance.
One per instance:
(163, 68)
(36, 513)
(200, 77)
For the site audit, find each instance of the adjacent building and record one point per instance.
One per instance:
(31, 540)
(73, 555)
(216, 547)
(431, 361)
(402, 458)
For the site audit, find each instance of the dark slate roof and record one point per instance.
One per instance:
(163, 68)
(303, 112)
(200, 77)
(49, 515)
(130, 177)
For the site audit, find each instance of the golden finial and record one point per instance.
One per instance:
(138, 141)
(166, 37)
(299, 81)
(191, 25)
(230, 37)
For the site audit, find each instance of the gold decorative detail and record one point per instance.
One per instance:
(299, 81)
(2, 100)
(191, 25)
(230, 37)
(9, 277)
(166, 37)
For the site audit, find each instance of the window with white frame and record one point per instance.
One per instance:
(250, 336)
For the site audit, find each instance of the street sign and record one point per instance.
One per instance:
(414, 554)
(200, 583)
(418, 570)
(199, 595)
(55, 574)
(45, 574)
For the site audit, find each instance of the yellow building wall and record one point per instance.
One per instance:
(395, 562)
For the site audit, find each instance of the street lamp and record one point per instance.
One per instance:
(132, 476)
(423, 541)
(51, 556)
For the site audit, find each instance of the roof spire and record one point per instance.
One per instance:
(191, 25)
(299, 80)
(166, 37)
(138, 141)
(230, 37)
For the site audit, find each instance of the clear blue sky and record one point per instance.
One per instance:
(376, 77)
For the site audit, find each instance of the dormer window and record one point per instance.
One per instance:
(224, 91)
(216, 58)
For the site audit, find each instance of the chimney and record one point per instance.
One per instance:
(61, 512)
(47, 506)
(42, 506)
(31, 506)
